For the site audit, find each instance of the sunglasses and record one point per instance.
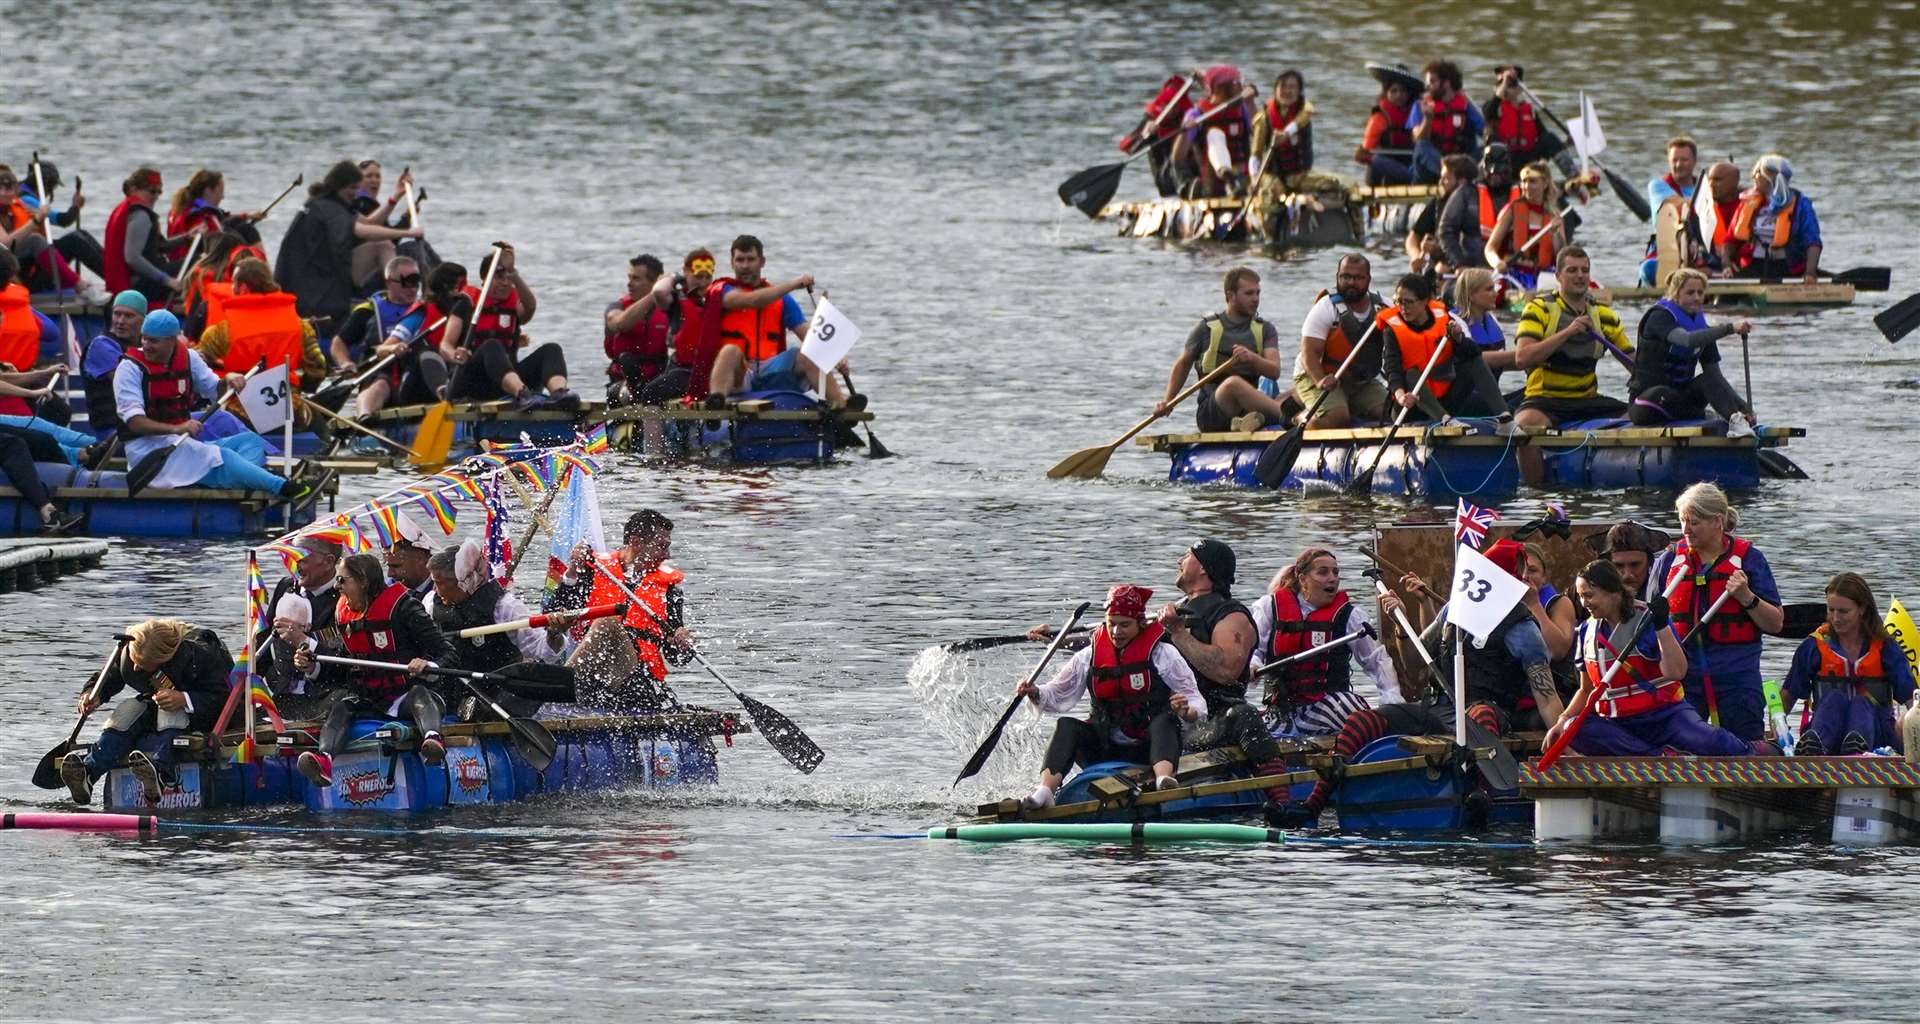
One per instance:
(407, 280)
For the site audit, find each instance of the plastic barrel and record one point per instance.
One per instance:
(1138, 832)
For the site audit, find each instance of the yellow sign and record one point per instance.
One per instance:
(1900, 626)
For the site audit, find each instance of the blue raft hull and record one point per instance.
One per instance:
(106, 510)
(744, 438)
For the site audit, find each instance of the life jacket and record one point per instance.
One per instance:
(1237, 124)
(1569, 371)
(651, 589)
(1682, 360)
(1169, 89)
(686, 335)
(118, 276)
(1448, 129)
(1528, 220)
(1290, 155)
(1309, 681)
(1749, 207)
(1865, 676)
(1348, 328)
(485, 653)
(759, 334)
(1417, 346)
(1697, 591)
(646, 339)
(498, 320)
(1203, 613)
(1517, 127)
(168, 386)
(102, 413)
(1218, 351)
(1638, 687)
(217, 294)
(214, 285)
(1127, 690)
(19, 341)
(1397, 135)
(264, 325)
(1494, 675)
(371, 635)
(201, 212)
(21, 215)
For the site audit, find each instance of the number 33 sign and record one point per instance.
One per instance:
(1483, 593)
(265, 398)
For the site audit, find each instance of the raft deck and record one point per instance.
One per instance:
(107, 510)
(474, 422)
(1459, 459)
(764, 427)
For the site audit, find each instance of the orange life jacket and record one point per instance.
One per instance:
(1697, 591)
(1749, 208)
(1865, 676)
(1127, 691)
(1417, 347)
(19, 341)
(1637, 688)
(264, 325)
(21, 215)
(759, 333)
(1528, 220)
(651, 589)
(217, 294)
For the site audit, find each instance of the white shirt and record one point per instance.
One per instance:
(1368, 651)
(191, 458)
(1062, 693)
(1319, 324)
(532, 643)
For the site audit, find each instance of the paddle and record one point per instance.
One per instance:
(1866, 279)
(1091, 189)
(1632, 643)
(533, 528)
(1277, 459)
(875, 450)
(1900, 319)
(1273, 667)
(530, 738)
(981, 643)
(46, 774)
(598, 611)
(186, 263)
(1499, 769)
(1800, 620)
(985, 749)
(1621, 187)
(1363, 481)
(298, 179)
(351, 425)
(1087, 463)
(434, 438)
(413, 206)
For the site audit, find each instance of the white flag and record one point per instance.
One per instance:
(1588, 139)
(1483, 593)
(829, 338)
(264, 396)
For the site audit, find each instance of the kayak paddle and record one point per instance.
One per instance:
(530, 738)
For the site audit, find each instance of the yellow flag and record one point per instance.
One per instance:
(1900, 626)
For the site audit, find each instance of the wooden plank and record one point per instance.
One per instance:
(1011, 810)
(636, 413)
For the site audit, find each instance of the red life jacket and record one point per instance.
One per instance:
(1528, 220)
(1237, 124)
(498, 320)
(686, 340)
(181, 223)
(1171, 123)
(1127, 690)
(168, 386)
(646, 339)
(19, 341)
(1518, 127)
(1697, 591)
(1417, 347)
(371, 636)
(1290, 155)
(1448, 128)
(1865, 676)
(1305, 682)
(651, 589)
(1637, 688)
(1397, 135)
(264, 325)
(759, 333)
(113, 262)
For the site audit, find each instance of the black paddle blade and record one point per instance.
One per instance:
(46, 774)
(985, 750)
(1629, 195)
(1501, 771)
(1800, 620)
(1091, 189)
(532, 680)
(876, 450)
(1362, 482)
(1779, 467)
(533, 742)
(146, 469)
(1866, 279)
(1278, 458)
(784, 736)
(1899, 320)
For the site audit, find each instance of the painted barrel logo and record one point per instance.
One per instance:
(664, 763)
(363, 787)
(469, 773)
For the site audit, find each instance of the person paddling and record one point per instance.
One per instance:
(1775, 233)
(1236, 336)
(1852, 674)
(1142, 690)
(1306, 609)
(1412, 330)
(642, 564)
(1723, 655)
(1676, 372)
(178, 674)
(464, 594)
(1337, 322)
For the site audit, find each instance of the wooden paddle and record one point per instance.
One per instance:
(1087, 463)
(298, 180)
(985, 749)
(1363, 481)
(46, 774)
(1277, 459)
(413, 205)
(1091, 189)
(530, 738)
(434, 438)
(186, 264)
(1621, 187)
(539, 519)
(351, 425)
(981, 643)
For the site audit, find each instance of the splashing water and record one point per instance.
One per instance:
(962, 695)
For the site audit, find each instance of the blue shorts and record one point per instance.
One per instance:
(781, 373)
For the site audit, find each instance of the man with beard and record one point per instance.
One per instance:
(1338, 321)
(1216, 636)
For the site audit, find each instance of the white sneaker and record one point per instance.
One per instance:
(1039, 798)
(1739, 427)
(1248, 422)
(1166, 782)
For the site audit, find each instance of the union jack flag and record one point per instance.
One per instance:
(499, 547)
(1471, 523)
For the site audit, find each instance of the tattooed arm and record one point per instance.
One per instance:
(1225, 658)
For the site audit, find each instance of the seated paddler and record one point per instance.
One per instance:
(379, 621)
(1237, 338)
(1775, 234)
(1852, 673)
(466, 595)
(652, 635)
(1141, 691)
(1509, 677)
(1306, 611)
(1676, 370)
(178, 675)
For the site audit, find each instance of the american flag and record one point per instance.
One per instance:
(499, 548)
(1471, 523)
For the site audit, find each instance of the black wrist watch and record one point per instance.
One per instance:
(1749, 605)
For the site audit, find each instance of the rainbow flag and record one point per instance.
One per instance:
(594, 441)
(441, 509)
(289, 554)
(386, 525)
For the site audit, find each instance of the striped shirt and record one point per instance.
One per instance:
(1569, 372)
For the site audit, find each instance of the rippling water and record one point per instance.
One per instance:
(906, 156)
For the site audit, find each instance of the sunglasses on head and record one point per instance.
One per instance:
(407, 280)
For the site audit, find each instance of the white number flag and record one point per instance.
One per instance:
(264, 396)
(1483, 593)
(829, 338)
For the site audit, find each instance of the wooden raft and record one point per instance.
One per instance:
(752, 410)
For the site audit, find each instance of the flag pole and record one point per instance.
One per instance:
(253, 657)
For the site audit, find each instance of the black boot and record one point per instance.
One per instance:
(1809, 745)
(1248, 727)
(1853, 744)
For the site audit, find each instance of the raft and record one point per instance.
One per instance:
(381, 770)
(1226, 220)
(26, 563)
(101, 499)
(474, 422)
(761, 428)
(1472, 459)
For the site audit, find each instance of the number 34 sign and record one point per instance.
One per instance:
(265, 398)
(1483, 593)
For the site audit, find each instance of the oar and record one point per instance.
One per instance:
(1087, 463)
(46, 201)
(413, 206)
(1500, 769)
(1363, 481)
(186, 264)
(1277, 459)
(1866, 279)
(1091, 189)
(533, 528)
(1900, 319)
(1621, 187)
(1273, 667)
(1552, 753)
(985, 749)
(981, 643)
(530, 738)
(351, 425)
(598, 611)
(1800, 620)
(778, 730)
(298, 179)
(875, 450)
(334, 392)
(46, 774)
